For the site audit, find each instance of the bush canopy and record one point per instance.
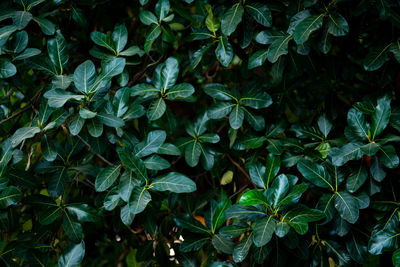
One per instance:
(199, 133)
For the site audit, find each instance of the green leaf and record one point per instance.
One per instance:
(153, 32)
(174, 182)
(396, 258)
(76, 124)
(257, 174)
(218, 217)
(111, 68)
(223, 244)
(120, 37)
(218, 91)
(293, 196)
(187, 222)
(306, 27)
(347, 206)
(382, 240)
(58, 97)
(257, 59)
(131, 51)
(192, 153)
(107, 177)
(252, 197)
(156, 109)
(236, 117)
(233, 230)
(388, 156)
(5, 33)
(241, 250)
(260, 13)
(95, 127)
(126, 215)
(350, 151)
(20, 41)
(103, 40)
(9, 196)
(110, 120)
(139, 199)
(45, 25)
(356, 179)
(357, 123)
(376, 57)
(147, 17)
(83, 212)
(263, 230)
(169, 149)
(278, 48)
(181, 90)
(299, 217)
(210, 138)
(224, 52)
(169, 73)
(49, 215)
(21, 19)
(192, 243)
(153, 142)
(58, 52)
(315, 174)
(7, 69)
(272, 167)
(29, 52)
(337, 25)
(231, 18)
(220, 110)
(247, 213)
(127, 182)
(134, 163)
(112, 199)
(84, 76)
(381, 116)
(157, 163)
(278, 190)
(23, 133)
(57, 182)
(73, 255)
(162, 9)
(324, 125)
(48, 149)
(72, 228)
(357, 250)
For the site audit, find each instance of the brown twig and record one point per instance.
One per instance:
(240, 169)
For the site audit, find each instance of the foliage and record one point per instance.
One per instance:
(199, 133)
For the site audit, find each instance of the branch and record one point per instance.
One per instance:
(240, 169)
(90, 148)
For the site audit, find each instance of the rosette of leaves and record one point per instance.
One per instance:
(195, 146)
(366, 138)
(132, 192)
(162, 87)
(227, 24)
(269, 211)
(238, 106)
(159, 23)
(301, 26)
(109, 48)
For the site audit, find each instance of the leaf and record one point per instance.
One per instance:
(241, 250)
(95, 127)
(218, 91)
(396, 258)
(139, 199)
(260, 13)
(357, 123)
(224, 52)
(120, 37)
(157, 163)
(324, 125)
(126, 215)
(103, 40)
(29, 52)
(181, 90)
(192, 243)
(76, 124)
(233, 230)
(20, 41)
(162, 9)
(263, 230)
(350, 151)
(357, 250)
(153, 142)
(147, 18)
(356, 179)
(7, 69)
(257, 174)
(57, 182)
(58, 97)
(247, 213)
(337, 25)
(48, 149)
(112, 199)
(174, 182)
(376, 57)
(278, 190)
(257, 59)
(21, 19)
(252, 197)
(278, 48)
(73, 255)
(272, 167)
(223, 244)
(382, 240)
(388, 156)
(293, 196)
(134, 163)
(5, 33)
(306, 27)
(58, 52)
(23, 133)
(347, 206)
(9, 196)
(381, 116)
(84, 76)
(192, 153)
(169, 73)
(236, 117)
(72, 228)
(110, 120)
(83, 212)
(191, 224)
(49, 215)
(231, 18)
(218, 217)
(153, 32)
(45, 25)
(315, 174)
(131, 51)
(107, 177)
(156, 109)
(111, 68)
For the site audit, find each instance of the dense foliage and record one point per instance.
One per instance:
(199, 133)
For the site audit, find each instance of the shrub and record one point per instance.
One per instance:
(199, 133)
